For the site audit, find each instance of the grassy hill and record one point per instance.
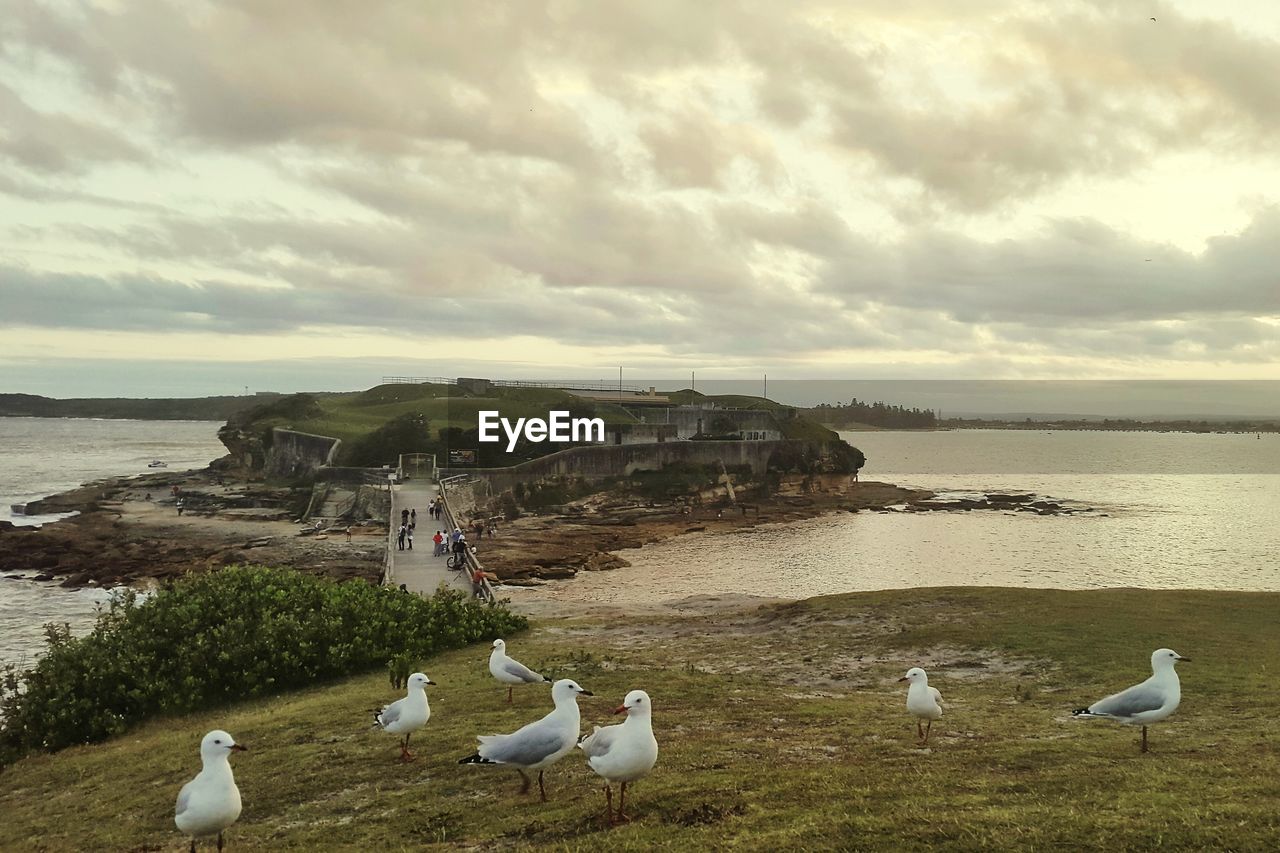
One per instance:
(350, 416)
(154, 409)
(781, 727)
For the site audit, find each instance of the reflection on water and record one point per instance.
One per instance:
(1156, 523)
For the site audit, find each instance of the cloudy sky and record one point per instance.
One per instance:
(887, 188)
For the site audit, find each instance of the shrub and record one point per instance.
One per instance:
(220, 637)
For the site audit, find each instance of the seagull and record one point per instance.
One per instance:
(540, 744)
(511, 672)
(210, 802)
(1143, 704)
(623, 753)
(405, 716)
(924, 702)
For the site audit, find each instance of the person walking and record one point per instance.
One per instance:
(409, 536)
(439, 540)
(400, 539)
(413, 516)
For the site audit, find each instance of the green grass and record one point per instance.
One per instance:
(781, 728)
(350, 416)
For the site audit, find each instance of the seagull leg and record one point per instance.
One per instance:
(193, 844)
(928, 728)
(524, 789)
(219, 842)
(608, 803)
(1144, 738)
(510, 687)
(405, 754)
(919, 732)
(622, 805)
(541, 790)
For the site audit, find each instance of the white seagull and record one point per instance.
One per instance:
(210, 802)
(623, 753)
(405, 716)
(924, 702)
(510, 672)
(540, 744)
(1143, 704)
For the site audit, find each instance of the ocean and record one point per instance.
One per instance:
(44, 456)
(1169, 510)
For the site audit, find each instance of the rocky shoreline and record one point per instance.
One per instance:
(587, 535)
(128, 530)
(120, 537)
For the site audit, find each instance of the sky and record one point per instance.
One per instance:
(198, 198)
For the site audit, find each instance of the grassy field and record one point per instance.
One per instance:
(349, 416)
(781, 727)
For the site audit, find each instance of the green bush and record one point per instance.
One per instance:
(221, 637)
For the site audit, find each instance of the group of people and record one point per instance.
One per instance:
(436, 508)
(408, 521)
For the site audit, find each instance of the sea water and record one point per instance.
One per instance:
(43, 456)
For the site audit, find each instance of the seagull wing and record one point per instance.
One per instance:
(600, 741)
(518, 670)
(530, 745)
(1127, 703)
(390, 714)
(937, 697)
(184, 798)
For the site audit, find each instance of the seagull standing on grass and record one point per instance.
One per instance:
(924, 702)
(210, 802)
(540, 744)
(623, 753)
(1143, 704)
(510, 672)
(405, 716)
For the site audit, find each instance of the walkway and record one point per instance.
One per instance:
(417, 569)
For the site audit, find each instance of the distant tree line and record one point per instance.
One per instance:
(1120, 424)
(876, 414)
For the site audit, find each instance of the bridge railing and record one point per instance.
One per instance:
(473, 564)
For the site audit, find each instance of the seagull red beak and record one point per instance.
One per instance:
(903, 678)
(621, 709)
(235, 747)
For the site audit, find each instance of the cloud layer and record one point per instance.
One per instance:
(730, 182)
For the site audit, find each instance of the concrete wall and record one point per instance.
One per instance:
(295, 454)
(652, 433)
(602, 461)
(689, 420)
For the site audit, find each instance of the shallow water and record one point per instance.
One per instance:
(1170, 511)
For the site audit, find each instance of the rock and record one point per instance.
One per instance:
(46, 560)
(697, 529)
(43, 576)
(557, 572)
(1009, 499)
(78, 579)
